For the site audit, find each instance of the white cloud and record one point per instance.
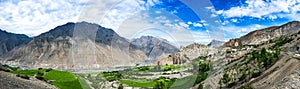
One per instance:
(237, 31)
(189, 22)
(37, 16)
(197, 24)
(128, 18)
(157, 12)
(260, 8)
(233, 20)
(168, 26)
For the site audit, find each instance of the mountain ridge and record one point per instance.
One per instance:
(70, 45)
(259, 36)
(8, 41)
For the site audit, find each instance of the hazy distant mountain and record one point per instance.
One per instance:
(216, 43)
(76, 46)
(155, 48)
(8, 41)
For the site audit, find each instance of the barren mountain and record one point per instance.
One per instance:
(8, 41)
(76, 46)
(216, 43)
(155, 48)
(263, 59)
(259, 36)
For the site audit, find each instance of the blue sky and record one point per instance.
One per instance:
(179, 21)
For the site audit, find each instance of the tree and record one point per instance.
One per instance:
(161, 84)
(277, 51)
(203, 67)
(225, 78)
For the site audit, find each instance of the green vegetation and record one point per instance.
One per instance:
(203, 70)
(167, 67)
(111, 76)
(60, 79)
(23, 76)
(205, 66)
(225, 78)
(159, 83)
(280, 41)
(155, 68)
(163, 83)
(63, 79)
(143, 68)
(11, 67)
(83, 83)
(201, 77)
(248, 86)
(250, 67)
(138, 83)
(26, 72)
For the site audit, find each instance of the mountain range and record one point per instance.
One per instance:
(82, 45)
(265, 58)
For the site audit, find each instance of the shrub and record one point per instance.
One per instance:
(201, 77)
(23, 76)
(111, 76)
(48, 70)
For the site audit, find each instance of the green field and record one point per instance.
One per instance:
(159, 83)
(26, 72)
(60, 79)
(138, 83)
(63, 79)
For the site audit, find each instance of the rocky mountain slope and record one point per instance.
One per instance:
(76, 46)
(155, 48)
(259, 36)
(8, 41)
(188, 53)
(266, 58)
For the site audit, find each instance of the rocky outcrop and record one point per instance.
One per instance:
(8, 41)
(195, 50)
(259, 36)
(188, 53)
(76, 46)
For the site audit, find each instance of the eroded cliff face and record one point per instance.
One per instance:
(188, 53)
(259, 36)
(76, 46)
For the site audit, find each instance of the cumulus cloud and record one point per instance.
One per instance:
(37, 16)
(233, 31)
(261, 8)
(129, 18)
(168, 26)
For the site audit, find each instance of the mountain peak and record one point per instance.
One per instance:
(154, 47)
(216, 43)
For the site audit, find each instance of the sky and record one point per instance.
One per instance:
(181, 22)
